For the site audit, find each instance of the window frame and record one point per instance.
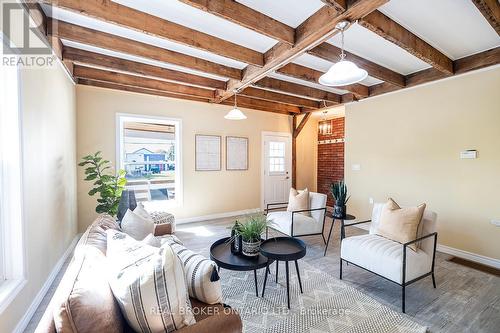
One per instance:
(12, 235)
(122, 117)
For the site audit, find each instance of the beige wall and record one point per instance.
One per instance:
(49, 179)
(205, 193)
(307, 152)
(408, 146)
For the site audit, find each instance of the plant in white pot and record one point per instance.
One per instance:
(250, 232)
(339, 193)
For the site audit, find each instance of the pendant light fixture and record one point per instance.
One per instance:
(325, 126)
(235, 113)
(343, 72)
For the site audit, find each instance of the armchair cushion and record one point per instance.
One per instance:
(299, 201)
(302, 225)
(385, 257)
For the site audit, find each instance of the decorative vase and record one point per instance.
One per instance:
(250, 249)
(236, 243)
(339, 211)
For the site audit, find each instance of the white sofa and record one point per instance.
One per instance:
(295, 224)
(391, 260)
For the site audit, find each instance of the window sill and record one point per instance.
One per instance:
(9, 290)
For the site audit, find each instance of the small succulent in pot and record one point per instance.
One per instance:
(250, 232)
(339, 193)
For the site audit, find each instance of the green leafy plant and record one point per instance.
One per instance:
(108, 185)
(252, 229)
(339, 193)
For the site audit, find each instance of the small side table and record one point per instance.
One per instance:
(348, 217)
(283, 249)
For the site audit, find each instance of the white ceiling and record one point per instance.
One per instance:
(455, 27)
(95, 24)
(290, 12)
(189, 16)
(138, 59)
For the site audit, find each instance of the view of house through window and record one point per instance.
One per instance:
(149, 155)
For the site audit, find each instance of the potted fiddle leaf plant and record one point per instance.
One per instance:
(106, 183)
(250, 232)
(339, 193)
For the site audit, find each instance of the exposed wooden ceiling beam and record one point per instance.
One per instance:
(331, 53)
(104, 40)
(463, 65)
(298, 129)
(136, 81)
(247, 17)
(297, 89)
(112, 12)
(312, 75)
(119, 64)
(340, 5)
(317, 28)
(115, 86)
(280, 98)
(491, 12)
(251, 103)
(397, 34)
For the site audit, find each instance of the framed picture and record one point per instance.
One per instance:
(208, 152)
(236, 153)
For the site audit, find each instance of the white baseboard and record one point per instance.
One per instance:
(23, 323)
(469, 256)
(217, 216)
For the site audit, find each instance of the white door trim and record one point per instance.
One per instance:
(262, 159)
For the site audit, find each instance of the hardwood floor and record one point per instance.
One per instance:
(466, 300)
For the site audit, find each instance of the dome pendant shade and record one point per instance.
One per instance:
(235, 114)
(343, 73)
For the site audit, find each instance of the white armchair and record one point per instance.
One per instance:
(295, 224)
(391, 260)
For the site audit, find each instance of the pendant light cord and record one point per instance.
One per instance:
(342, 54)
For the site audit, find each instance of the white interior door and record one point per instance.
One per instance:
(276, 167)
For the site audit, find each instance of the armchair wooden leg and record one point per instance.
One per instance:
(433, 280)
(403, 299)
(340, 275)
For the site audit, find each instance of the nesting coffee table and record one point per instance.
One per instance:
(220, 253)
(283, 249)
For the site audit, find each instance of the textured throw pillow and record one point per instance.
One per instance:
(201, 274)
(299, 201)
(136, 224)
(400, 224)
(149, 284)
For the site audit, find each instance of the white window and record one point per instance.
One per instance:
(276, 157)
(149, 151)
(11, 223)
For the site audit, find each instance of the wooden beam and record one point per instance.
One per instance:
(115, 86)
(491, 12)
(331, 53)
(297, 89)
(302, 123)
(294, 152)
(423, 76)
(382, 88)
(104, 40)
(476, 61)
(317, 28)
(397, 34)
(280, 98)
(312, 75)
(119, 64)
(136, 81)
(259, 104)
(339, 5)
(246, 17)
(114, 13)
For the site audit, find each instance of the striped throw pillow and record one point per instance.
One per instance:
(201, 274)
(148, 284)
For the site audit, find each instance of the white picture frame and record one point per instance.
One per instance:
(236, 153)
(208, 152)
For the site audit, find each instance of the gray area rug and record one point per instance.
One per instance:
(327, 304)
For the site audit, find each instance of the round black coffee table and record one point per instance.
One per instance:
(283, 249)
(220, 253)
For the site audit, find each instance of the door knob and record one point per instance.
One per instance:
(287, 177)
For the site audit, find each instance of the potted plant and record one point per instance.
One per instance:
(250, 232)
(108, 185)
(339, 193)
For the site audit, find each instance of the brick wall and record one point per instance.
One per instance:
(331, 158)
